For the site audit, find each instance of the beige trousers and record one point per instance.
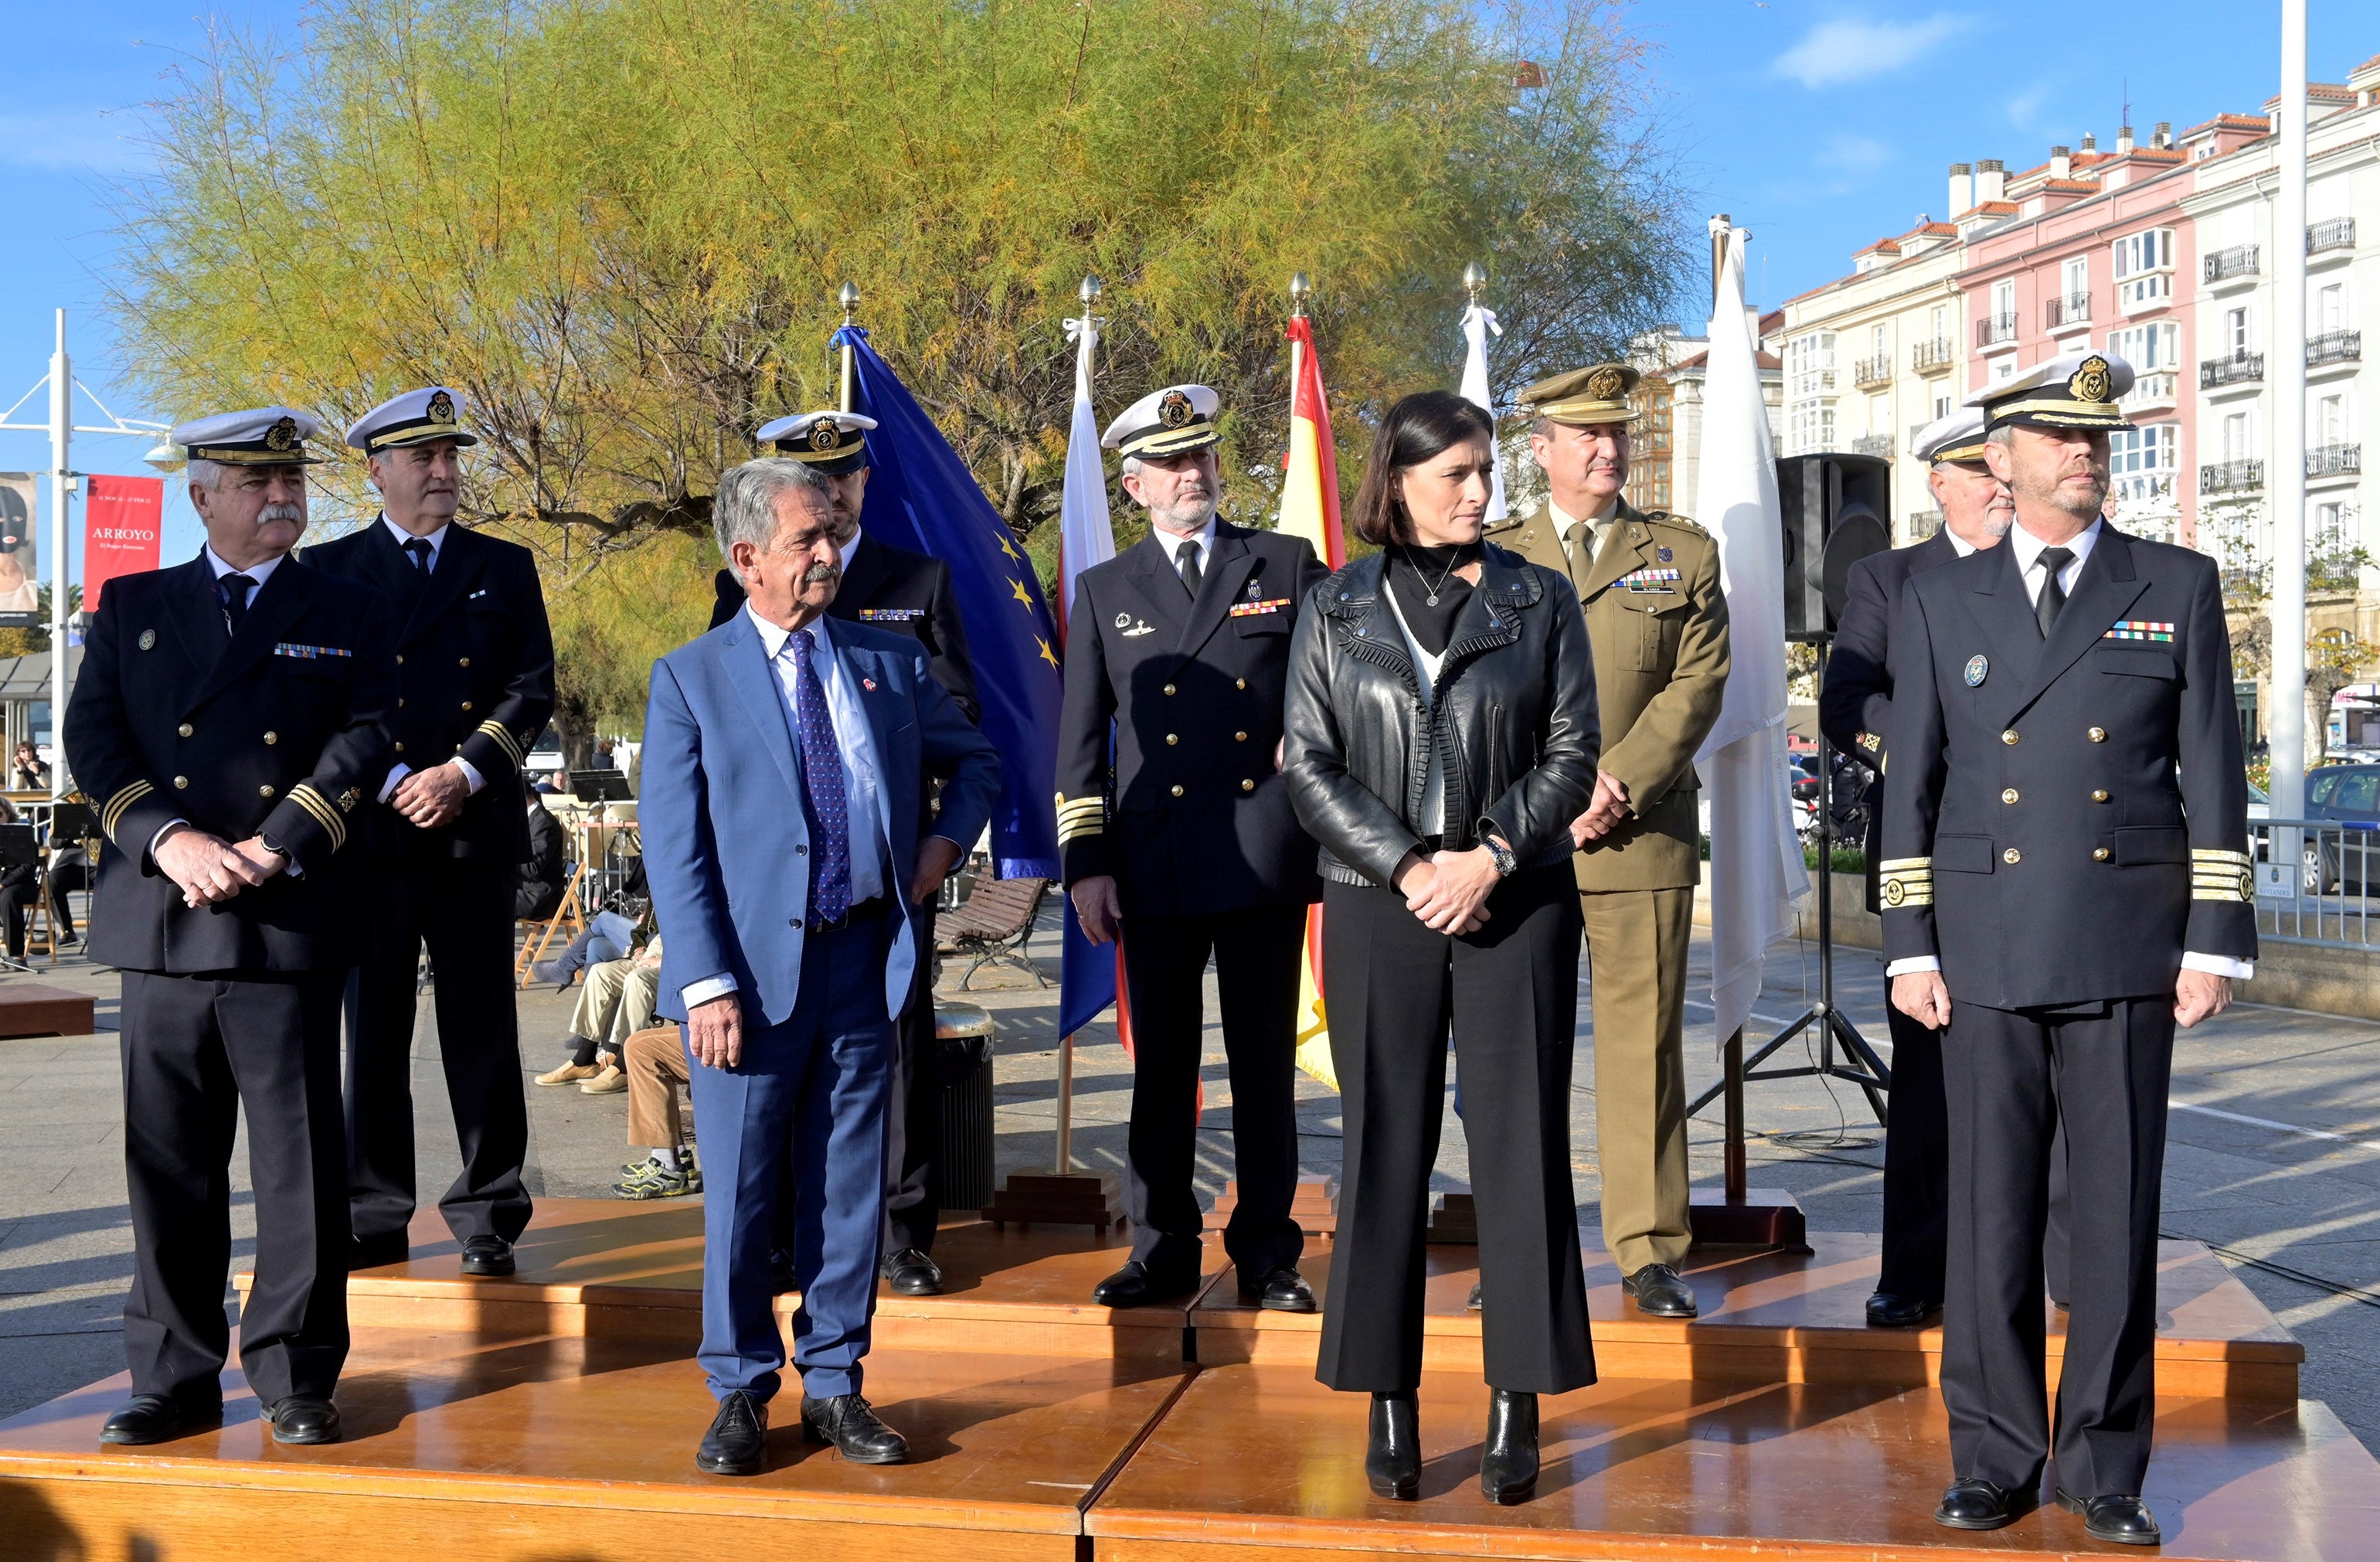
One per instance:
(1637, 942)
(616, 1002)
(656, 1065)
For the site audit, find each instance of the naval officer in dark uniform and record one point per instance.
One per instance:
(447, 833)
(230, 716)
(1855, 709)
(1190, 847)
(2065, 880)
(908, 593)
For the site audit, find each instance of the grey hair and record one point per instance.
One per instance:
(1131, 465)
(746, 509)
(2004, 434)
(205, 474)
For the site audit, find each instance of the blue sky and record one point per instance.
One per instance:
(1819, 126)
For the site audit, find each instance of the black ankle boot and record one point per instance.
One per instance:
(1392, 1463)
(1508, 1469)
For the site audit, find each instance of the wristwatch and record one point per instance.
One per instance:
(1506, 863)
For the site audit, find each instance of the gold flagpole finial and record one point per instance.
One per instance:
(1298, 289)
(849, 298)
(1474, 281)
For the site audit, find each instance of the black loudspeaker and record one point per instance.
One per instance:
(1837, 510)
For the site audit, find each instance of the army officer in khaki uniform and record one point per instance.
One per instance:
(1657, 624)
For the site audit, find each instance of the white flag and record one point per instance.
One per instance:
(1084, 537)
(1476, 323)
(1756, 870)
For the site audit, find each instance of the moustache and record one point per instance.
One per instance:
(281, 511)
(822, 575)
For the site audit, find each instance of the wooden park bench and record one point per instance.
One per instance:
(991, 925)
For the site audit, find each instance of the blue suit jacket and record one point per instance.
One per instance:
(726, 846)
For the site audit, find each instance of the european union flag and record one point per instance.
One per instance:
(921, 496)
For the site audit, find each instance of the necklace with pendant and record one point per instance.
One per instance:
(1430, 592)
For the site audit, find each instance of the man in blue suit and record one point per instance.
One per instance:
(783, 807)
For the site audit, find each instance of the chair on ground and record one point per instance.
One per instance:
(991, 925)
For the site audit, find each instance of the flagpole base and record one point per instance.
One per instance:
(1762, 1217)
(1041, 1198)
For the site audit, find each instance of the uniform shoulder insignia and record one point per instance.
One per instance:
(1510, 523)
(1684, 523)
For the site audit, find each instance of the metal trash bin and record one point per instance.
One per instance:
(963, 1163)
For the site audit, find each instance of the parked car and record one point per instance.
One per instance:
(2347, 797)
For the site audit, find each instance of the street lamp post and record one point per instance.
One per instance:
(62, 428)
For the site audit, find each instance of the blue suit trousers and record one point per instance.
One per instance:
(812, 1093)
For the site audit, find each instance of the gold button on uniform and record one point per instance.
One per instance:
(1248, 786)
(2009, 795)
(2098, 735)
(400, 701)
(1243, 683)
(2009, 735)
(264, 791)
(466, 704)
(2098, 854)
(181, 783)
(400, 658)
(1177, 789)
(2100, 795)
(1239, 736)
(186, 729)
(2011, 855)
(271, 739)
(1169, 689)
(400, 747)
(1170, 739)
(465, 662)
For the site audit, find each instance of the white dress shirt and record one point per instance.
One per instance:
(259, 573)
(1204, 537)
(2027, 549)
(871, 849)
(437, 541)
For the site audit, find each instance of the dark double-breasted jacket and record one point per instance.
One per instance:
(2065, 818)
(279, 731)
(1193, 817)
(474, 669)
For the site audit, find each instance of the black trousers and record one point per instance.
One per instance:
(1509, 992)
(1917, 1164)
(1256, 952)
(2009, 1076)
(462, 908)
(198, 1052)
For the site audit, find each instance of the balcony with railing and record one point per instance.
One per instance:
(2335, 232)
(2238, 369)
(2241, 260)
(1993, 329)
(2335, 461)
(2156, 388)
(2073, 310)
(2333, 346)
(2231, 477)
(1877, 371)
(1927, 356)
(1873, 445)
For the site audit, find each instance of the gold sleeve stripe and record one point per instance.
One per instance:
(1905, 881)
(113, 815)
(1069, 829)
(2230, 889)
(2216, 857)
(506, 741)
(315, 804)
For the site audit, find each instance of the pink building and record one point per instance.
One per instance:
(2092, 249)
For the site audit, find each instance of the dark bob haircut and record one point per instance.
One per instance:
(1418, 428)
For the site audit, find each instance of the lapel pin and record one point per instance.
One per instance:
(868, 684)
(1123, 620)
(1977, 667)
(1664, 555)
(148, 639)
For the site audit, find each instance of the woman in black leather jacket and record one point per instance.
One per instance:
(1442, 736)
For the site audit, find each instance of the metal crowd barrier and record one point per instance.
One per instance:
(2317, 881)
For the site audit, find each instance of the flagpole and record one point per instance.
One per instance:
(1298, 289)
(849, 298)
(1063, 1159)
(1735, 1169)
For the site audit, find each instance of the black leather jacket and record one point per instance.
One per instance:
(1513, 717)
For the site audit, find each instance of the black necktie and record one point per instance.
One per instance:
(1188, 557)
(420, 548)
(235, 589)
(2045, 607)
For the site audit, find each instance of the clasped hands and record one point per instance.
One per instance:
(2197, 996)
(429, 798)
(1605, 810)
(210, 870)
(1448, 890)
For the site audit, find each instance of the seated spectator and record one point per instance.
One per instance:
(616, 1002)
(554, 785)
(29, 774)
(539, 895)
(609, 936)
(656, 1065)
(20, 883)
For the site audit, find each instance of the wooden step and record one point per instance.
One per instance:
(1257, 1460)
(1789, 1318)
(513, 1449)
(36, 1009)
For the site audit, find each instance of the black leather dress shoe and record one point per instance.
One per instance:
(1976, 1504)
(848, 1422)
(2125, 1520)
(1283, 1290)
(371, 1252)
(912, 1271)
(737, 1443)
(488, 1256)
(1507, 1468)
(1393, 1462)
(1659, 1293)
(155, 1418)
(1473, 1303)
(301, 1419)
(1137, 1285)
(1890, 1310)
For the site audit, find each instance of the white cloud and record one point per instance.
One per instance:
(2024, 109)
(1851, 49)
(71, 140)
(1855, 154)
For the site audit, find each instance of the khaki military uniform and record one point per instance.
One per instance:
(1658, 625)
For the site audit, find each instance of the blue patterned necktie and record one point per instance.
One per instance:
(822, 784)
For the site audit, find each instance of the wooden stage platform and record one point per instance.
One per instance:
(553, 1416)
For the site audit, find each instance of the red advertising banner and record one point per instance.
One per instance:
(123, 522)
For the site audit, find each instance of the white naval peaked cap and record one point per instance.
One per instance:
(415, 418)
(1166, 423)
(827, 440)
(1959, 437)
(2074, 390)
(256, 436)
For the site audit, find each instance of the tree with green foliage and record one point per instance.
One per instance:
(618, 225)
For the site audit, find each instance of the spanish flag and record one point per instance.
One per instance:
(1309, 509)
